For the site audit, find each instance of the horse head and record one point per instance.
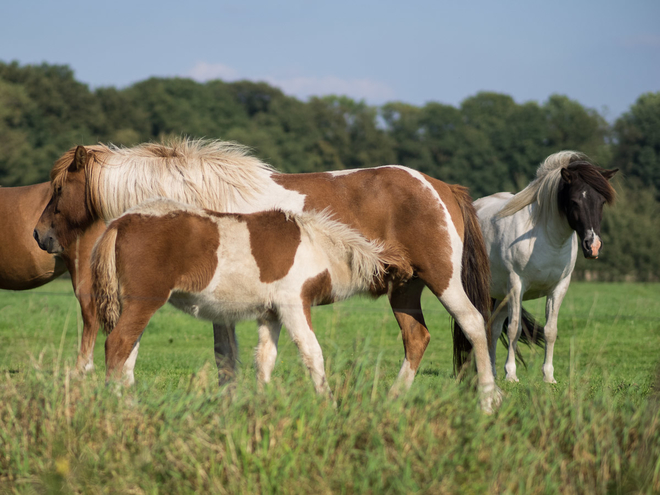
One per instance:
(583, 191)
(66, 216)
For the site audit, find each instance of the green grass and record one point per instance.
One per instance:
(596, 431)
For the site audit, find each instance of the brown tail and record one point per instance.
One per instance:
(105, 284)
(475, 274)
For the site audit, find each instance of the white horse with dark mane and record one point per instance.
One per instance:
(532, 242)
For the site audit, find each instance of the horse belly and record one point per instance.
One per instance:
(217, 308)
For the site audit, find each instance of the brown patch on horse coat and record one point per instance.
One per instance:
(316, 291)
(399, 210)
(193, 242)
(274, 244)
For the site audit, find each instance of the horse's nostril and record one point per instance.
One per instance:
(35, 234)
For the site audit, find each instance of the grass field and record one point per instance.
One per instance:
(596, 431)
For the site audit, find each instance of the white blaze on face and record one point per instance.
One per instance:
(596, 244)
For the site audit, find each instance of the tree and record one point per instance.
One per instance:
(637, 152)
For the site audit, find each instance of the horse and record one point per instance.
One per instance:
(270, 266)
(24, 266)
(433, 223)
(532, 243)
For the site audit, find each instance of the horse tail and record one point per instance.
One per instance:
(533, 333)
(475, 275)
(105, 283)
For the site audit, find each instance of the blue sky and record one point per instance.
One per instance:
(603, 54)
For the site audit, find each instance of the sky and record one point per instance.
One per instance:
(604, 53)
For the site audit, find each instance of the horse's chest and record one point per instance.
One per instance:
(544, 269)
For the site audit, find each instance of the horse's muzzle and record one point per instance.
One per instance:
(47, 243)
(591, 247)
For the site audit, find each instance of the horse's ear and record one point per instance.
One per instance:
(566, 175)
(79, 158)
(608, 174)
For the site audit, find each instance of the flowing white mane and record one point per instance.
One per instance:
(218, 175)
(366, 258)
(544, 189)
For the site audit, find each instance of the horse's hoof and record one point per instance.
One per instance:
(513, 379)
(490, 398)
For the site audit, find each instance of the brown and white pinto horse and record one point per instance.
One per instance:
(270, 266)
(433, 223)
(24, 266)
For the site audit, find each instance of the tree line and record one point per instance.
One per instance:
(489, 142)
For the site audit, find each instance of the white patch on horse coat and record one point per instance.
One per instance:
(339, 173)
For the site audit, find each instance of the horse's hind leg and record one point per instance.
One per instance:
(407, 308)
(456, 301)
(295, 319)
(226, 351)
(266, 351)
(514, 329)
(122, 343)
(552, 304)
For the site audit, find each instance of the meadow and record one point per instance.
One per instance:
(596, 431)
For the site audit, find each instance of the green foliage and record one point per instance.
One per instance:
(490, 143)
(638, 135)
(596, 431)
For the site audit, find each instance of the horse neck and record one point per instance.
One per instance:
(556, 227)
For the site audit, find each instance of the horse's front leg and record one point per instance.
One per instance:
(552, 304)
(515, 327)
(77, 260)
(297, 321)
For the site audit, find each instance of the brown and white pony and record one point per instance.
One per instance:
(433, 223)
(270, 266)
(24, 266)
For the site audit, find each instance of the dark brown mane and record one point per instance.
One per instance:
(592, 175)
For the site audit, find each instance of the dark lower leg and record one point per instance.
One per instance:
(226, 351)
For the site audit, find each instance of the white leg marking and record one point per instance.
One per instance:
(294, 319)
(129, 365)
(266, 351)
(472, 323)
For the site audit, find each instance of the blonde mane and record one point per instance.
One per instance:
(212, 174)
(544, 189)
(369, 260)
